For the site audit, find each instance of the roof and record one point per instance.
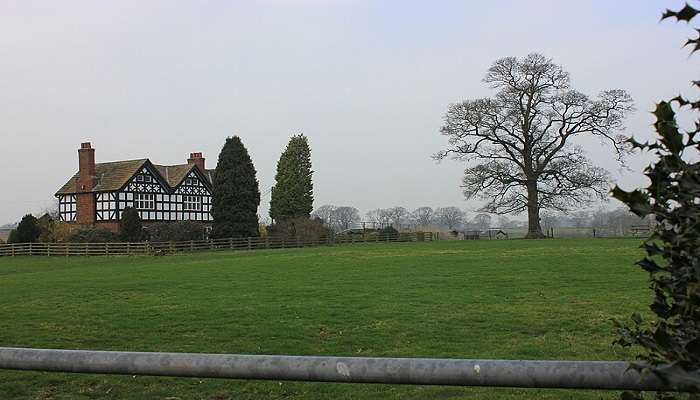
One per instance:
(114, 175)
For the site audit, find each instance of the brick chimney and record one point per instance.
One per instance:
(87, 179)
(86, 168)
(198, 160)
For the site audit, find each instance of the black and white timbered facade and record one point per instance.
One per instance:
(159, 193)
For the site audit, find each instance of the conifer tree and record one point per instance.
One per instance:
(28, 230)
(292, 195)
(236, 194)
(130, 226)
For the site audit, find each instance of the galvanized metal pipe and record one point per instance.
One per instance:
(423, 371)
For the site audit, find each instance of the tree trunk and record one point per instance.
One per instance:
(534, 230)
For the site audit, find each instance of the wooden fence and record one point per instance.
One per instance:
(159, 248)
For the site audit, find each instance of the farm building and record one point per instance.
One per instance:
(99, 192)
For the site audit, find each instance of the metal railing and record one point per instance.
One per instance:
(146, 248)
(606, 375)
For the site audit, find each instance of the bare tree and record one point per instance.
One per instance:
(504, 222)
(423, 216)
(450, 217)
(581, 219)
(380, 216)
(550, 219)
(520, 144)
(482, 221)
(397, 215)
(325, 214)
(345, 216)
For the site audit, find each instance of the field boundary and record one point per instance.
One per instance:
(229, 244)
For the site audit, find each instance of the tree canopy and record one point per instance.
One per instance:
(520, 145)
(27, 231)
(236, 193)
(292, 196)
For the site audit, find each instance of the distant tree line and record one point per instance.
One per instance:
(340, 218)
(618, 221)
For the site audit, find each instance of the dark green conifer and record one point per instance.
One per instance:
(28, 230)
(130, 226)
(236, 195)
(292, 195)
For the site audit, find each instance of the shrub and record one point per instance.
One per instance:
(12, 237)
(176, 231)
(388, 233)
(130, 226)
(671, 339)
(53, 231)
(28, 230)
(301, 228)
(93, 235)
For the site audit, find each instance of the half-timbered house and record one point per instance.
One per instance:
(99, 192)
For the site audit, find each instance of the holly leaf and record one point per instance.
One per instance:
(684, 14)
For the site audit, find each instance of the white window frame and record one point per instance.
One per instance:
(145, 201)
(191, 203)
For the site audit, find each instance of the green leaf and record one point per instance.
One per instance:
(684, 14)
(637, 201)
(652, 249)
(649, 265)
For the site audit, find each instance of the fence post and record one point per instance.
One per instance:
(250, 244)
(230, 243)
(282, 242)
(267, 242)
(48, 249)
(107, 248)
(191, 245)
(30, 248)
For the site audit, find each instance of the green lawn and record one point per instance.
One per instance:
(547, 299)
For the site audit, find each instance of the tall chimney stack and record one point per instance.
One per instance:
(198, 160)
(87, 178)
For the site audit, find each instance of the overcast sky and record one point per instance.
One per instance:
(367, 81)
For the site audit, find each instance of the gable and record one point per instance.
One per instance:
(146, 180)
(194, 183)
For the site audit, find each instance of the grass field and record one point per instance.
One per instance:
(548, 299)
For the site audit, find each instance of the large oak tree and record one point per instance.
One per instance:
(522, 144)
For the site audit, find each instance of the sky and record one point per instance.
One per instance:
(367, 81)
